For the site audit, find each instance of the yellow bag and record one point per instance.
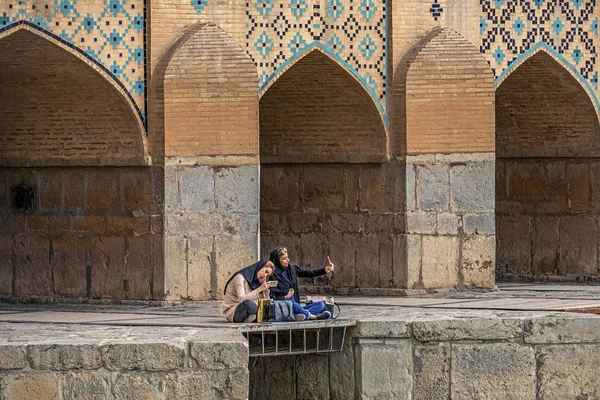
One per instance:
(263, 310)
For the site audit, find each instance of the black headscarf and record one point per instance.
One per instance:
(250, 273)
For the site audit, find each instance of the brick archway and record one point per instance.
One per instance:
(59, 108)
(548, 160)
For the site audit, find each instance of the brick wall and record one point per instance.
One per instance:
(449, 98)
(210, 97)
(353, 213)
(547, 174)
(543, 111)
(57, 110)
(317, 112)
(81, 232)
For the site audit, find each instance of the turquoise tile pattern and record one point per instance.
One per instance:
(109, 32)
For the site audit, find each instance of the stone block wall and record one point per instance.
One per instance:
(137, 370)
(550, 357)
(450, 220)
(547, 217)
(211, 224)
(351, 212)
(81, 232)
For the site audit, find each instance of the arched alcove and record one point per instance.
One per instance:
(547, 169)
(57, 110)
(317, 112)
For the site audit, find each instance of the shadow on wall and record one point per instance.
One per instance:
(548, 169)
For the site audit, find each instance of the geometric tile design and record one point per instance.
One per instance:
(353, 32)
(511, 29)
(109, 32)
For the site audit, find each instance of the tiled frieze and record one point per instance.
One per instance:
(568, 29)
(109, 32)
(353, 32)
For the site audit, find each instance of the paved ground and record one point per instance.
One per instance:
(28, 322)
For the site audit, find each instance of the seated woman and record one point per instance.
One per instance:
(287, 289)
(243, 290)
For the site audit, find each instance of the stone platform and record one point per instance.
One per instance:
(521, 342)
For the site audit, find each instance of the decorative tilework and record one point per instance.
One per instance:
(352, 32)
(109, 32)
(511, 30)
(436, 11)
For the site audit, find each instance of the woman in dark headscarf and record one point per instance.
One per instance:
(287, 288)
(243, 290)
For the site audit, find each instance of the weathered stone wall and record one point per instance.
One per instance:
(450, 220)
(351, 212)
(550, 357)
(211, 224)
(547, 217)
(81, 232)
(141, 369)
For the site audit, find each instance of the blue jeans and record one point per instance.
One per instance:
(307, 310)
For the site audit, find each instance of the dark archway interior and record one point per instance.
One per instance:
(323, 190)
(547, 174)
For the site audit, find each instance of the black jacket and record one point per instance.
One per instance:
(288, 277)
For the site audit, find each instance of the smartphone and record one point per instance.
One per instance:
(273, 283)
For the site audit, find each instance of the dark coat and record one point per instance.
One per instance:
(288, 277)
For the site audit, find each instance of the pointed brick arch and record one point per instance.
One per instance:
(210, 96)
(543, 110)
(449, 98)
(317, 111)
(59, 108)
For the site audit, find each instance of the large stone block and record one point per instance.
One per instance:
(136, 191)
(421, 222)
(279, 379)
(12, 357)
(33, 271)
(31, 385)
(414, 261)
(176, 265)
(171, 188)
(69, 258)
(440, 261)
(280, 188)
(326, 188)
(102, 190)
(188, 385)
(233, 252)
(107, 255)
(137, 387)
(493, 371)
(139, 267)
(185, 224)
(343, 255)
(568, 372)
(478, 261)
(433, 187)
(237, 189)
(432, 372)
(230, 384)
(240, 224)
(514, 244)
(466, 329)
(341, 374)
(545, 244)
(50, 189)
(386, 261)
(381, 328)
(64, 357)
(578, 176)
(526, 181)
(300, 222)
(313, 377)
(199, 257)
(399, 268)
(556, 185)
(472, 187)
(73, 190)
(480, 223)
(578, 245)
(411, 188)
(86, 385)
(218, 356)
(6, 265)
(373, 357)
(315, 249)
(448, 223)
(142, 356)
(367, 261)
(197, 189)
(562, 330)
(380, 223)
(343, 223)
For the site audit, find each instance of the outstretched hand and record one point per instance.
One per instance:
(330, 267)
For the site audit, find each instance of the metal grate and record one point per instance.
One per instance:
(310, 337)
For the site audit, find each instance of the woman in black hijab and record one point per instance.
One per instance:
(287, 288)
(243, 290)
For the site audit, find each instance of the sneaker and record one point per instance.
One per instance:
(300, 317)
(324, 315)
(250, 318)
